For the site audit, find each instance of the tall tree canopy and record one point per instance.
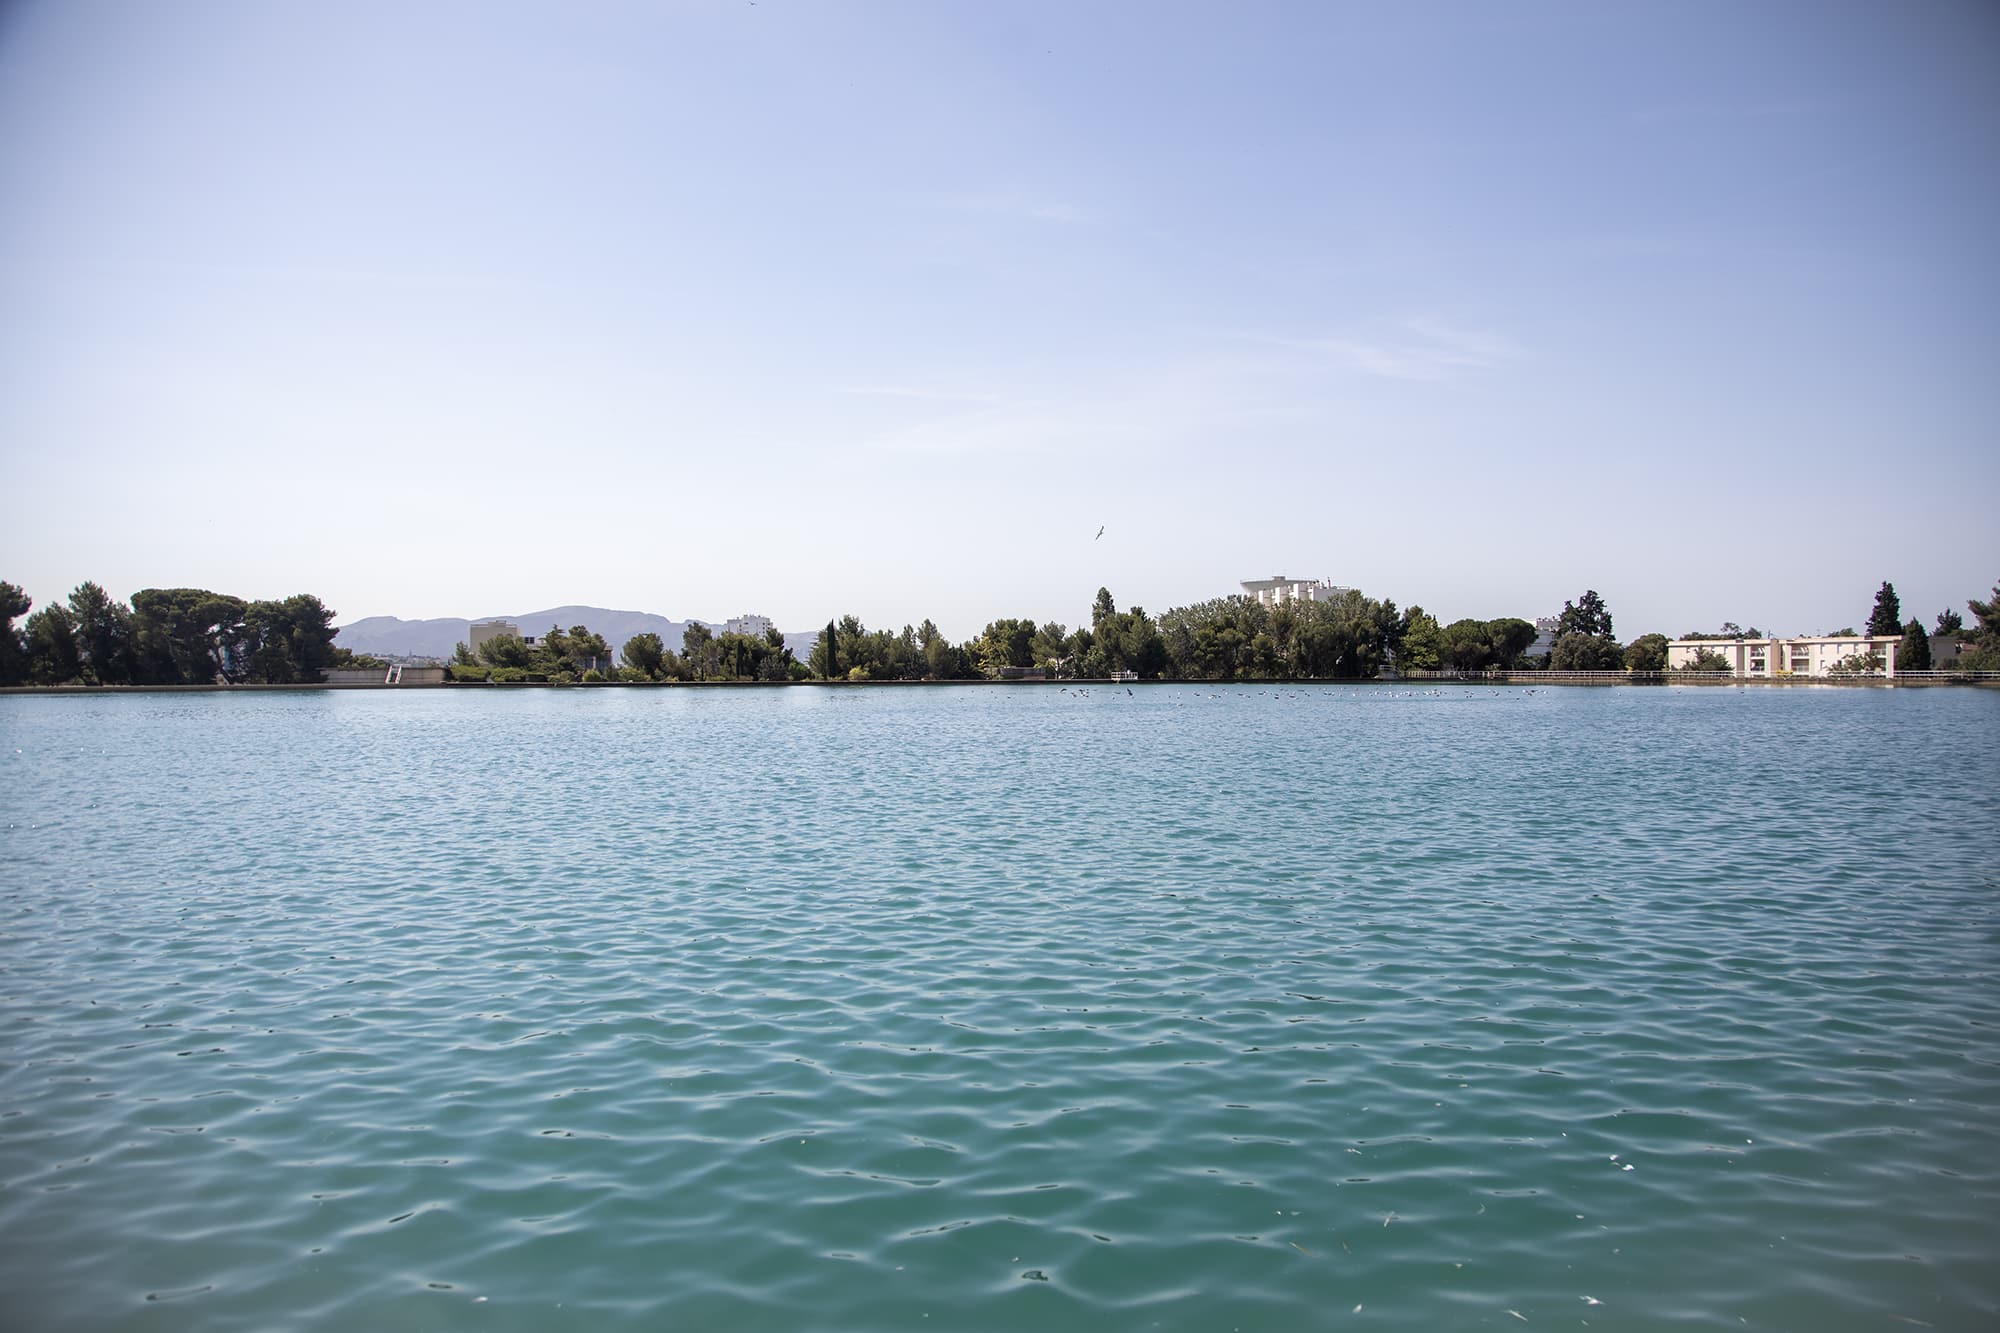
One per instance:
(104, 636)
(1648, 652)
(1887, 617)
(52, 654)
(1586, 615)
(14, 603)
(1914, 653)
(1984, 654)
(1584, 638)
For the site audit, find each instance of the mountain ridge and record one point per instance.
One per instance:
(439, 637)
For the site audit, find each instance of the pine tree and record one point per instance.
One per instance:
(1915, 652)
(1887, 618)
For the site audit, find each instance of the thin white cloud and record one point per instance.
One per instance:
(916, 394)
(1019, 204)
(1418, 349)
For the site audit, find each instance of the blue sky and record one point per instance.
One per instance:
(818, 308)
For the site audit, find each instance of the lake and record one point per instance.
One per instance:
(1188, 1007)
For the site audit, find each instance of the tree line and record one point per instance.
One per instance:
(166, 636)
(191, 636)
(581, 655)
(1348, 636)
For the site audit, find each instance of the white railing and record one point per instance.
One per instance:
(1530, 676)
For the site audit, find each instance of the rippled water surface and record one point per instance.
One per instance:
(1001, 1008)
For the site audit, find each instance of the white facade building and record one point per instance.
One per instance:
(1768, 659)
(753, 627)
(484, 632)
(1277, 590)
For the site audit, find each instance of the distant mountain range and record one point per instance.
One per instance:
(388, 636)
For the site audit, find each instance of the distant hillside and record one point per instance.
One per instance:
(389, 636)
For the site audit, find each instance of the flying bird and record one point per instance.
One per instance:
(1100, 533)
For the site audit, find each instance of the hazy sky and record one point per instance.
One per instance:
(808, 308)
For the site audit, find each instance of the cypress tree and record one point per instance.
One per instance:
(1887, 617)
(832, 651)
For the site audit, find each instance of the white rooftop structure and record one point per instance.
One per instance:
(754, 627)
(1277, 590)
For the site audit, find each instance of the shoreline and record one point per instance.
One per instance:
(1519, 679)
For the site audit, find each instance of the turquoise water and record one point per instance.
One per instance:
(1001, 1008)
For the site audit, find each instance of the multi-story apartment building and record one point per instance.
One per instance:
(1806, 656)
(754, 627)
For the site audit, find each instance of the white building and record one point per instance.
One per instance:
(484, 632)
(1769, 659)
(1277, 590)
(753, 627)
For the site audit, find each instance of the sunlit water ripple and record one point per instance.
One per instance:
(1001, 1008)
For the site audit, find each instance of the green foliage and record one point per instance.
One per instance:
(188, 636)
(1730, 630)
(1586, 615)
(1987, 632)
(287, 642)
(1464, 645)
(1983, 650)
(1005, 643)
(1117, 641)
(1914, 653)
(1484, 645)
(864, 654)
(825, 655)
(169, 636)
(1048, 646)
(1419, 641)
(1706, 659)
(1584, 638)
(1586, 652)
(104, 637)
(1887, 617)
(573, 654)
(1858, 664)
(14, 603)
(699, 651)
(505, 650)
(1950, 622)
(1648, 652)
(943, 660)
(645, 654)
(52, 653)
(1239, 638)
